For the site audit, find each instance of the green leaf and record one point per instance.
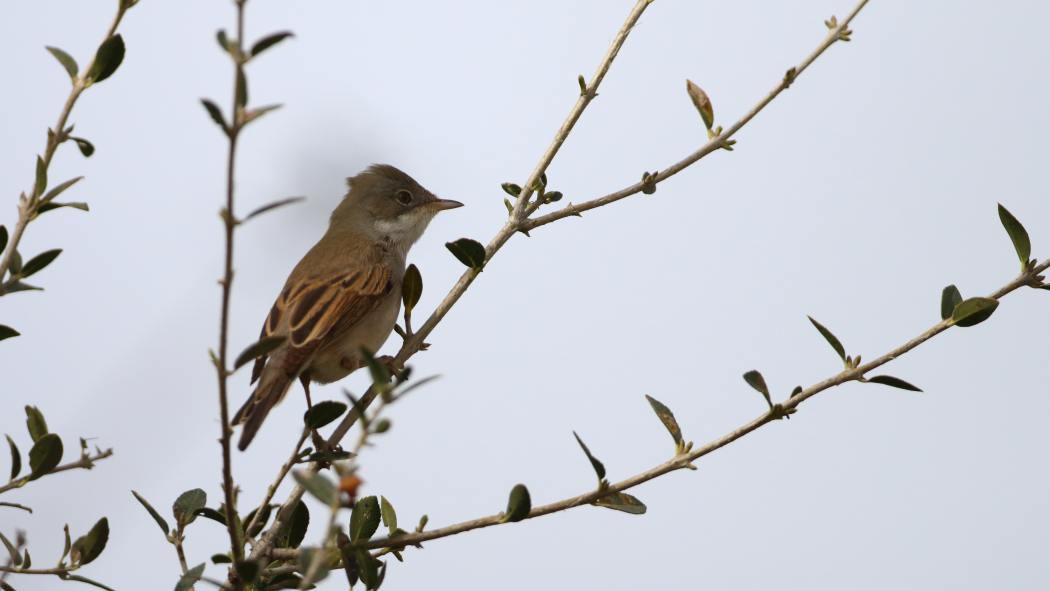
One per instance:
(153, 512)
(56, 191)
(107, 59)
(322, 413)
(469, 252)
(518, 504)
(272, 205)
(511, 189)
(45, 454)
(364, 520)
(7, 332)
(380, 373)
(55, 205)
(297, 525)
(41, 177)
(40, 261)
(552, 196)
(269, 41)
(221, 559)
(216, 114)
(16, 558)
(950, 298)
(259, 523)
(894, 382)
(756, 381)
(317, 485)
(19, 286)
(89, 546)
(701, 102)
(3, 238)
(16, 457)
(834, 342)
(224, 42)
(411, 288)
(389, 515)
(253, 114)
(86, 148)
(188, 580)
(368, 568)
(1018, 235)
(16, 263)
(621, 501)
(66, 60)
(186, 506)
(599, 468)
(973, 311)
(258, 349)
(213, 514)
(667, 418)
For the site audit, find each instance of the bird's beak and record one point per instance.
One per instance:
(442, 204)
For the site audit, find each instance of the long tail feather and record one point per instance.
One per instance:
(269, 392)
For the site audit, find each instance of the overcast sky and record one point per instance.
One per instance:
(855, 197)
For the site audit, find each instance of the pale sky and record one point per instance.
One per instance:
(855, 197)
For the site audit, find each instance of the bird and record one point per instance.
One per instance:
(344, 296)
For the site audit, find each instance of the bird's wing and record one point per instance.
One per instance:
(310, 310)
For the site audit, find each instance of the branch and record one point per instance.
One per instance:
(28, 206)
(281, 474)
(684, 460)
(85, 462)
(229, 223)
(518, 222)
(715, 143)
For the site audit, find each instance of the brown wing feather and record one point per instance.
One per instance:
(309, 312)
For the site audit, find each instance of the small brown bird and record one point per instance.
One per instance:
(345, 294)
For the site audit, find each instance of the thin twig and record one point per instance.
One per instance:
(229, 223)
(285, 468)
(86, 462)
(27, 206)
(712, 145)
(684, 460)
(522, 209)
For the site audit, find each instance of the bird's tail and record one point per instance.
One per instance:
(271, 389)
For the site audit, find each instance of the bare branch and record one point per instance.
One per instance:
(86, 462)
(715, 143)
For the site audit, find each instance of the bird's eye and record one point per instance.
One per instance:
(403, 197)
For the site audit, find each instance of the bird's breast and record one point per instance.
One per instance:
(370, 333)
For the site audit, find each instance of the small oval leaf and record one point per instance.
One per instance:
(364, 520)
(621, 501)
(830, 338)
(16, 457)
(107, 59)
(188, 580)
(40, 261)
(389, 515)
(1018, 235)
(89, 546)
(152, 512)
(667, 418)
(216, 114)
(894, 382)
(756, 381)
(317, 485)
(518, 504)
(271, 206)
(185, 507)
(269, 41)
(599, 468)
(45, 454)
(469, 252)
(86, 148)
(7, 332)
(35, 423)
(411, 287)
(701, 102)
(66, 60)
(950, 298)
(973, 311)
(323, 413)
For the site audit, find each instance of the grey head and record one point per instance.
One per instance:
(385, 203)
